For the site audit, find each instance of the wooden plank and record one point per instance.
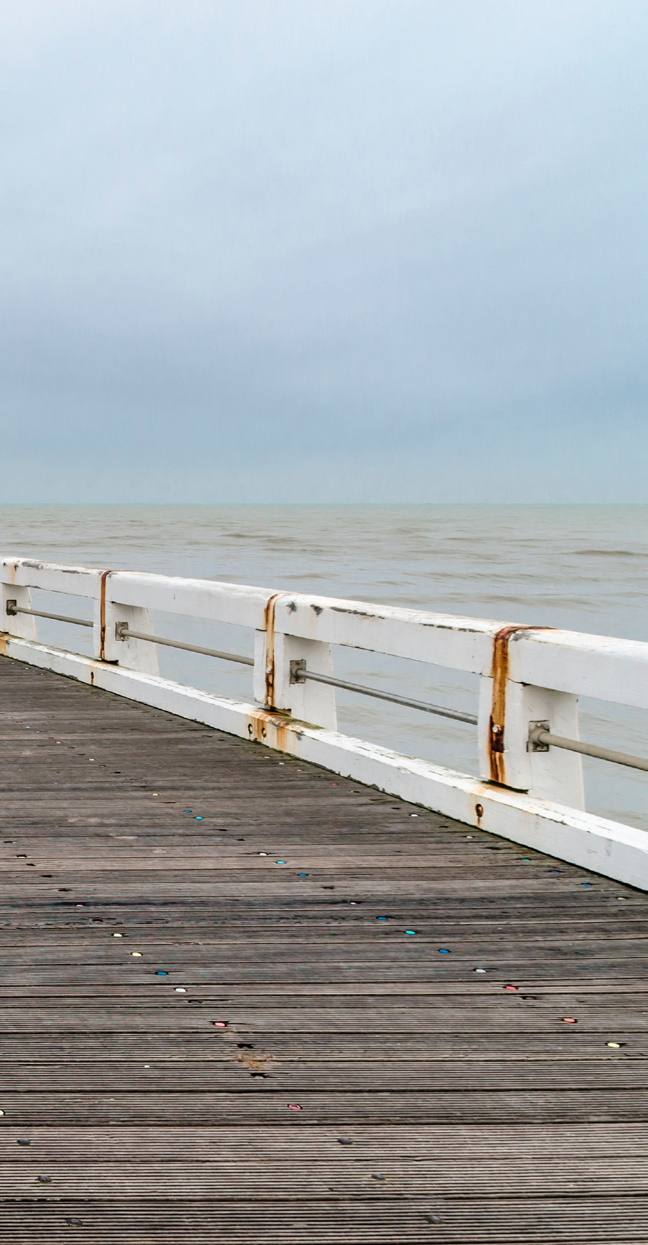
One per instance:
(309, 1076)
(381, 1177)
(615, 1221)
(389, 1048)
(250, 1100)
(464, 1144)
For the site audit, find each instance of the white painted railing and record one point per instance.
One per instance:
(527, 676)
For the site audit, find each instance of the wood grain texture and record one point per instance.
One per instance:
(155, 1089)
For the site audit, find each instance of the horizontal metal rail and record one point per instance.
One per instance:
(540, 738)
(14, 608)
(537, 735)
(442, 712)
(123, 632)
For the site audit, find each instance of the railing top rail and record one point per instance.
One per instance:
(599, 666)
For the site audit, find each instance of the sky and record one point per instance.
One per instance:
(323, 251)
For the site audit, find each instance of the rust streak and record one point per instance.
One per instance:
(272, 728)
(499, 674)
(102, 634)
(270, 608)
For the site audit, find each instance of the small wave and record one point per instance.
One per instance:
(609, 553)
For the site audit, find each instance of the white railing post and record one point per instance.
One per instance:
(552, 774)
(276, 680)
(508, 709)
(21, 625)
(130, 653)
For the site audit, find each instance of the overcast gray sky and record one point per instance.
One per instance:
(323, 250)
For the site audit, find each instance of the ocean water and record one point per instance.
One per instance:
(580, 567)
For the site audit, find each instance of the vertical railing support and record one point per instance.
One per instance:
(130, 653)
(21, 625)
(505, 756)
(276, 682)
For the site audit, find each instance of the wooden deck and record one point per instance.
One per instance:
(240, 1003)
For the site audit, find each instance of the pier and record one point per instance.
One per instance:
(265, 983)
(247, 999)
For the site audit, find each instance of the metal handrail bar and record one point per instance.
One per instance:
(457, 714)
(13, 608)
(537, 735)
(123, 632)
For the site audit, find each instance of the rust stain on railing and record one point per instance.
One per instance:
(269, 617)
(271, 729)
(102, 633)
(499, 674)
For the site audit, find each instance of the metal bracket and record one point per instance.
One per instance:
(12, 607)
(296, 668)
(121, 631)
(535, 729)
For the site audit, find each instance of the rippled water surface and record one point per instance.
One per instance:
(580, 567)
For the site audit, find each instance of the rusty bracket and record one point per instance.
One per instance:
(297, 668)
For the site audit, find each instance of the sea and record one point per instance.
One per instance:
(581, 567)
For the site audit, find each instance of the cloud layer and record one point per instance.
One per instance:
(318, 251)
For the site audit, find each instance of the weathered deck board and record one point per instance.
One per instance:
(469, 1112)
